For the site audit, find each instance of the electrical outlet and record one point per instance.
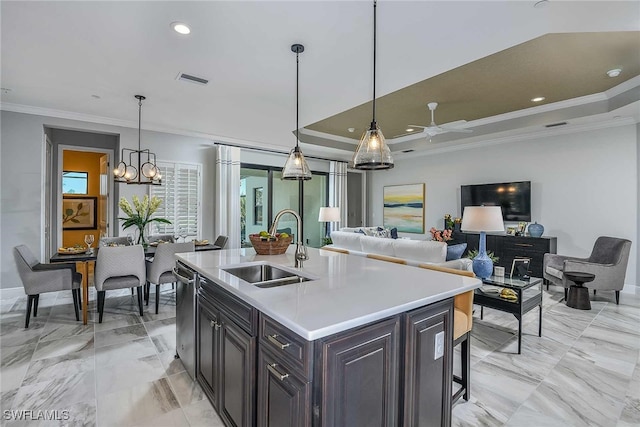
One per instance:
(439, 346)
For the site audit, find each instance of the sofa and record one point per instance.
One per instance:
(414, 252)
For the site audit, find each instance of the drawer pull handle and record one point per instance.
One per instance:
(274, 340)
(274, 371)
(215, 325)
(526, 245)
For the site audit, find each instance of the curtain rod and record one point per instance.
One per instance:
(266, 150)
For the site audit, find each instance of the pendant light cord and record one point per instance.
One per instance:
(297, 95)
(374, 60)
(139, 120)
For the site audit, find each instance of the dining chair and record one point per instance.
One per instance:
(462, 325)
(40, 278)
(165, 238)
(114, 241)
(160, 270)
(119, 267)
(221, 241)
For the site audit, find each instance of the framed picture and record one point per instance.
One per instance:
(79, 213)
(257, 206)
(404, 207)
(520, 268)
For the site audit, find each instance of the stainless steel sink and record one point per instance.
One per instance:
(265, 275)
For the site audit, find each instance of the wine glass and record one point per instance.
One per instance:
(130, 239)
(89, 239)
(183, 233)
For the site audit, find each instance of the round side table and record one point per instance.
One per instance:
(578, 294)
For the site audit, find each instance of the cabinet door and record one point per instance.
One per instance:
(361, 370)
(427, 377)
(284, 396)
(208, 324)
(237, 375)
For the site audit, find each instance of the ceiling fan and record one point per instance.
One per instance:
(433, 129)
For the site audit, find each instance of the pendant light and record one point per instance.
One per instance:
(146, 172)
(296, 167)
(373, 152)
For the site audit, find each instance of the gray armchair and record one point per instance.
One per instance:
(608, 262)
(221, 241)
(41, 278)
(114, 241)
(119, 267)
(160, 269)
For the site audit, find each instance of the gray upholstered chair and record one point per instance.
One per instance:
(166, 238)
(160, 270)
(41, 278)
(608, 262)
(113, 241)
(221, 241)
(119, 267)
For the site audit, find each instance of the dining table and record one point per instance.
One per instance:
(84, 258)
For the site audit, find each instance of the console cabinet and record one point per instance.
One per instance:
(508, 248)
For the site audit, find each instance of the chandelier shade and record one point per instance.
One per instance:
(373, 152)
(146, 172)
(296, 167)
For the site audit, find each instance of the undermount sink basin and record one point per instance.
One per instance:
(265, 275)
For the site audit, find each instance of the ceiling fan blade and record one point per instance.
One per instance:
(457, 123)
(458, 130)
(418, 126)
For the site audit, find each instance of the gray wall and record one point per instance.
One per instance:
(584, 185)
(21, 161)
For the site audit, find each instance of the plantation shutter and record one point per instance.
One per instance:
(180, 195)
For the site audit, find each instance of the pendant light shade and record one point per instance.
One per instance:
(373, 152)
(296, 167)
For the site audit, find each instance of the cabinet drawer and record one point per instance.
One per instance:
(282, 341)
(239, 311)
(525, 245)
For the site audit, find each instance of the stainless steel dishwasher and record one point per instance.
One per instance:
(186, 315)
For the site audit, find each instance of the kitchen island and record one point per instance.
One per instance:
(359, 342)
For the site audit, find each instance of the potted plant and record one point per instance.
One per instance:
(140, 214)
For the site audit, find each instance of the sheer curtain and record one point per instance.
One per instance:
(227, 195)
(338, 191)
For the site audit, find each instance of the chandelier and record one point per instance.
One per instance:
(146, 171)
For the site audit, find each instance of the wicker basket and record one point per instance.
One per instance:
(274, 247)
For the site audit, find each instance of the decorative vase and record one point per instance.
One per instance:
(141, 238)
(536, 230)
(482, 264)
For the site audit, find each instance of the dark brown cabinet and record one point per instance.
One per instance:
(508, 248)
(227, 355)
(361, 372)
(427, 376)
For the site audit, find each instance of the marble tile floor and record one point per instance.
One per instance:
(584, 371)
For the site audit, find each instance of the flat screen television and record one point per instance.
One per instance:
(513, 197)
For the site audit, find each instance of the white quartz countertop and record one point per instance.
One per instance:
(346, 291)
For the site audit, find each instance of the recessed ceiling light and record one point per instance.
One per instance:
(614, 73)
(351, 130)
(538, 99)
(409, 130)
(180, 27)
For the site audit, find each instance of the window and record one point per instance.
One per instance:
(180, 195)
(75, 182)
(257, 206)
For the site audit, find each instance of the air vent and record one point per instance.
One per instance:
(552, 125)
(192, 79)
(408, 151)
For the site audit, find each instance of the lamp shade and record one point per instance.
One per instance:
(328, 214)
(482, 218)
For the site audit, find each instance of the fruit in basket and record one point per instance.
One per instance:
(283, 235)
(263, 233)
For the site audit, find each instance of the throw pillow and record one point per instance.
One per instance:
(382, 232)
(361, 231)
(455, 251)
(394, 233)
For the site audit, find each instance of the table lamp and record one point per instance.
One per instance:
(327, 215)
(482, 219)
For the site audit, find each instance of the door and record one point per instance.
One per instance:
(361, 372)
(237, 374)
(103, 199)
(284, 397)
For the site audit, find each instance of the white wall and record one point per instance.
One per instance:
(584, 185)
(21, 159)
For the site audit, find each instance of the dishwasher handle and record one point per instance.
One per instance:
(183, 279)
